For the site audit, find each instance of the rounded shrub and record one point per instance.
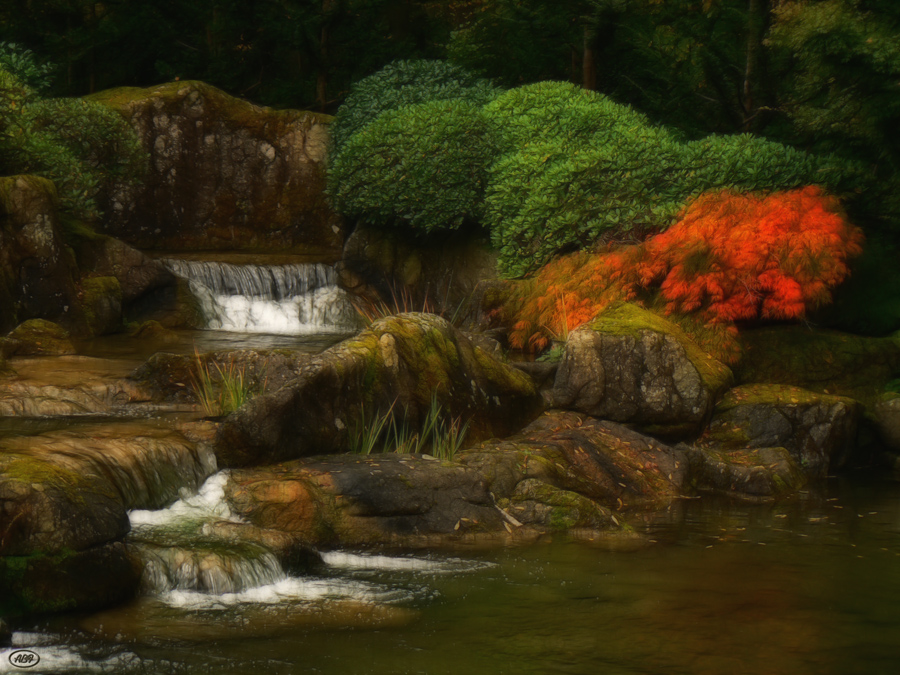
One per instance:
(564, 113)
(405, 83)
(423, 165)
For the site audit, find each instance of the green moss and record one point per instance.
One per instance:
(97, 293)
(631, 320)
(775, 395)
(21, 590)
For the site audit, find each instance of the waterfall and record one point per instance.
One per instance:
(294, 299)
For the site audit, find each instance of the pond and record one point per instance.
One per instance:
(810, 585)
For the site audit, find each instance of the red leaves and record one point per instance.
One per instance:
(731, 257)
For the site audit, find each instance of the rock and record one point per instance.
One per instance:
(606, 462)
(50, 508)
(564, 472)
(224, 174)
(439, 273)
(818, 430)
(71, 489)
(5, 634)
(102, 304)
(40, 337)
(629, 365)
(153, 331)
(171, 377)
(887, 421)
(91, 579)
(762, 472)
(37, 274)
(397, 366)
(136, 274)
(351, 500)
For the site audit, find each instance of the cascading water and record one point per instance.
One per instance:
(294, 299)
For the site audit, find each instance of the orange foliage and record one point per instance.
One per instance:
(731, 257)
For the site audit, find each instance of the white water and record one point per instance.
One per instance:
(186, 566)
(297, 299)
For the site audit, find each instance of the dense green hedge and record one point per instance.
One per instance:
(83, 147)
(425, 165)
(405, 83)
(547, 167)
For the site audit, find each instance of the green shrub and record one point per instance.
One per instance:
(401, 84)
(24, 65)
(83, 147)
(424, 165)
(564, 113)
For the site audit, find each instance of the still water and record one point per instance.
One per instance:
(811, 585)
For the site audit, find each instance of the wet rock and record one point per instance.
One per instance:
(606, 462)
(71, 489)
(5, 634)
(171, 377)
(551, 509)
(438, 273)
(887, 421)
(630, 365)
(224, 174)
(102, 305)
(95, 578)
(38, 336)
(353, 500)
(761, 472)
(818, 430)
(397, 366)
(137, 274)
(50, 508)
(153, 331)
(37, 275)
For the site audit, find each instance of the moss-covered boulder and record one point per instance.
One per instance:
(102, 304)
(49, 508)
(818, 430)
(41, 337)
(98, 577)
(37, 272)
(397, 366)
(760, 473)
(224, 174)
(630, 365)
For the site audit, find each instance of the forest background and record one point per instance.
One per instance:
(818, 75)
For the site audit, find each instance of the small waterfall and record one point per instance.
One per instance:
(295, 299)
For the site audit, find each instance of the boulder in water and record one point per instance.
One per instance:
(397, 366)
(38, 336)
(630, 365)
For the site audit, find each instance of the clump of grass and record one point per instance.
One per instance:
(437, 436)
(221, 389)
(400, 302)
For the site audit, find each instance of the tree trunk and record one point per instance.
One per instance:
(589, 63)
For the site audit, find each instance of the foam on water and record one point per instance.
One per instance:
(290, 590)
(357, 561)
(209, 503)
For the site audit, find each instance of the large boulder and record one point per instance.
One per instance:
(224, 174)
(630, 365)
(37, 273)
(760, 473)
(397, 366)
(818, 430)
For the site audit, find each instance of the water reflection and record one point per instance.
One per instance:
(810, 586)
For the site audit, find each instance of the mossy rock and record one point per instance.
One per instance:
(102, 304)
(550, 508)
(631, 365)
(822, 361)
(819, 430)
(746, 473)
(41, 337)
(394, 368)
(68, 580)
(153, 331)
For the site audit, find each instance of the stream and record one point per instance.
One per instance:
(710, 586)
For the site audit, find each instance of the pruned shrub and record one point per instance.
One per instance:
(423, 165)
(401, 84)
